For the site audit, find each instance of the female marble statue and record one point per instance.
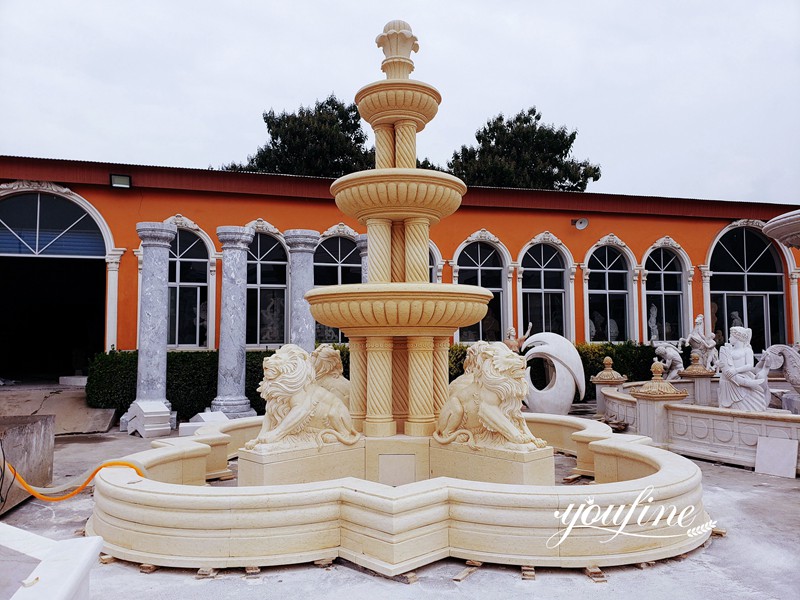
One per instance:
(742, 386)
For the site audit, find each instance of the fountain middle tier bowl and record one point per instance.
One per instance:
(399, 309)
(398, 194)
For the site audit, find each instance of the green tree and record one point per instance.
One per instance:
(325, 140)
(523, 153)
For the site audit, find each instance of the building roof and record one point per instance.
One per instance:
(77, 172)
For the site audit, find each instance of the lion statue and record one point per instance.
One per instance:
(299, 413)
(327, 363)
(484, 404)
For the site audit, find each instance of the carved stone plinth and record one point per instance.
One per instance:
(527, 467)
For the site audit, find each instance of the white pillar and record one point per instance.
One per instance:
(705, 272)
(231, 398)
(112, 296)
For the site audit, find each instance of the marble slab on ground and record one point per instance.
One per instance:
(16, 567)
(67, 403)
(776, 456)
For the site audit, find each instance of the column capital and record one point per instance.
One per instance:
(237, 238)
(156, 234)
(301, 240)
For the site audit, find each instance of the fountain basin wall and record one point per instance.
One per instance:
(169, 518)
(708, 432)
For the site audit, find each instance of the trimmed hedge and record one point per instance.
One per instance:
(191, 380)
(192, 376)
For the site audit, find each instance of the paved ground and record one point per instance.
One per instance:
(757, 560)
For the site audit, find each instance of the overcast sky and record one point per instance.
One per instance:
(672, 98)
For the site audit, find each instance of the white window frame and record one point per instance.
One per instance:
(483, 235)
(266, 228)
(570, 267)
(687, 276)
(632, 320)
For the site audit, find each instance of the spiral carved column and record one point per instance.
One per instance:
(398, 251)
(441, 370)
(416, 250)
(384, 146)
(420, 386)
(400, 380)
(405, 135)
(379, 247)
(379, 421)
(358, 381)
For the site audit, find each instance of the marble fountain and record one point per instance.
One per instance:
(403, 469)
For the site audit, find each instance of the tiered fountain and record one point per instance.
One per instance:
(399, 325)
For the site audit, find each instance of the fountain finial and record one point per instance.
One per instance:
(397, 42)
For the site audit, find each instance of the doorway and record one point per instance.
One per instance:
(52, 316)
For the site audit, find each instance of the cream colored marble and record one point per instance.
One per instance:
(329, 373)
(299, 412)
(265, 466)
(497, 465)
(158, 520)
(410, 454)
(484, 409)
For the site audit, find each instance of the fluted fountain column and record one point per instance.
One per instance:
(379, 244)
(302, 244)
(379, 421)
(231, 398)
(358, 381)
(441, 372)
(416, 238)
(151, 371)
(420, 386)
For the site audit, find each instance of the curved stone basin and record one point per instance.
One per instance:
(171, 518)
(382, 308)
(390, 100)
(785, 228)
(398, 194)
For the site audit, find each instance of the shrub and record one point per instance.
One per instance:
(455, 359)
(112, 380)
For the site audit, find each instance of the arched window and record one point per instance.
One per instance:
(480, 263)
(336, 262)
(188, 291)
(431, 267)
(608, 295)
(664, 295)
(40, 224)
(747, 288)
(543, 296)
(266, 291)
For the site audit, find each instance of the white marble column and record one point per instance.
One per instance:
(361, 244)
(302, 244)
(231, 398)
(151, 377)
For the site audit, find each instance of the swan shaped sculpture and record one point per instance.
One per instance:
(556, 398)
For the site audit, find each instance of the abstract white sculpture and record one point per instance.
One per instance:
(556, 398)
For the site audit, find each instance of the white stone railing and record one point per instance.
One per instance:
(709, 432)
(169, 518)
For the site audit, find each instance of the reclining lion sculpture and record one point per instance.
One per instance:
(484, 408)
(299, 412)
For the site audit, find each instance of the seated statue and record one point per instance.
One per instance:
(484, 404)
(705, 346)
(742, 386)
(299, 413)
(669, 356)
(327, 363)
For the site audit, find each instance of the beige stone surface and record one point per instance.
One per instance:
(67, 403)
(331, 461)
(414, 450)
(532, 467)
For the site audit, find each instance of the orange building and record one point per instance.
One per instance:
(592, 267)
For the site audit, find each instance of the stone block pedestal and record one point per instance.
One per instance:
(535, 467)
(397, 460)
(331, 461)
(28, 447)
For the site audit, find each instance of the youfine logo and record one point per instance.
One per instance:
(616, 518)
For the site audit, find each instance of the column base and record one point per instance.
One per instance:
(234, 407)
(419, 429)
(385, 429)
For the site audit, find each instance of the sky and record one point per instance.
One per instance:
(672, 98)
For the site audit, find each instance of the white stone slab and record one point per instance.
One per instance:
(150, 418)
(209, 417)
(776, 456)
(397, 469)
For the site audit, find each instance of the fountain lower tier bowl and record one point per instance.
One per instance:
(399, 308)
(398, 194)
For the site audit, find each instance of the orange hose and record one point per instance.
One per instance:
(36, 494)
